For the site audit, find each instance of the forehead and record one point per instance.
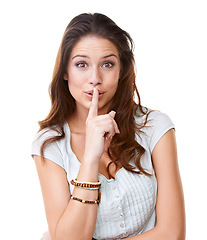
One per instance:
(91, 45)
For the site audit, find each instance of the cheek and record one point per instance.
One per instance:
(73, 87)
(74, 81)
(113, 80)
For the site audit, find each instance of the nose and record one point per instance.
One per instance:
(95, 77)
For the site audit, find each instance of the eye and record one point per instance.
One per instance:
(81, 64)
(108, 64)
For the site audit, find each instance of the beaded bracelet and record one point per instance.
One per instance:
(96, 183)
(90, 188)
(85, 201)
(88, 185)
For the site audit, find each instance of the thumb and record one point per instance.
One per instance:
(112, 114)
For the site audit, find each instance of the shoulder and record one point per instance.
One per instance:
(54, 150)
(159, 119)
(153, 117)
(46, 133)
(157, 124)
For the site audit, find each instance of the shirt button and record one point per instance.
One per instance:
(114, 187)
(117, 196)
(119, 208)
(122, 225)
(121, 215)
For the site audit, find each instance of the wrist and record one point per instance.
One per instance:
(89, 169)
(90, 159)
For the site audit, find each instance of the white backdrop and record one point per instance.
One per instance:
(171, 55)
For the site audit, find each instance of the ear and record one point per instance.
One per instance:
(65, 77)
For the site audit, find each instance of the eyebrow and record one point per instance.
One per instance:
(80, 56)
(110, 55)
(84, 56)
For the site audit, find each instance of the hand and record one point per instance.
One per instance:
(99, 130)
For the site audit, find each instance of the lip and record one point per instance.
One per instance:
(89, 94)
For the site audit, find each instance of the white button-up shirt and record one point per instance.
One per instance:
(128, 202)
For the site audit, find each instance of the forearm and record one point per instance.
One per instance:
(158, 233)
(154, 234)
(79, 219)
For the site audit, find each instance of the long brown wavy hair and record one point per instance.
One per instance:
(123, 147)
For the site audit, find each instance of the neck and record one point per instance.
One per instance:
(77, 122)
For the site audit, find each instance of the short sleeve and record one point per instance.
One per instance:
(52, 151)
(158, 124)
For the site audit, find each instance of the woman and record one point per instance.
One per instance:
(107, 166)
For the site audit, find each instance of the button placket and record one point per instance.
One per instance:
(119, 209)
(115, 190)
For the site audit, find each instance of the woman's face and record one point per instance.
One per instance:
(94, 62)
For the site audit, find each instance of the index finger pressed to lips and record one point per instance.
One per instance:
(93, 111)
